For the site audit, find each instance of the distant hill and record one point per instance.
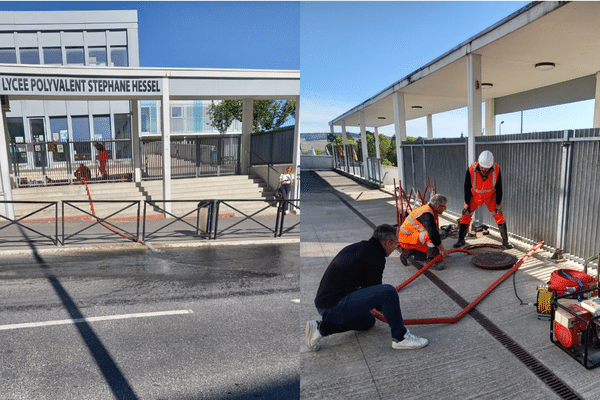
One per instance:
(309, 137)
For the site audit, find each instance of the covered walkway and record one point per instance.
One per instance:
(500, 350)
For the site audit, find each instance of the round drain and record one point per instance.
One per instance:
(483, 247)
(494, 260)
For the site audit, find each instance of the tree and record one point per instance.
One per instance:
(267, 114)
(223, 113)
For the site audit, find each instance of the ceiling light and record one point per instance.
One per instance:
(417, 106)
(544, 66)
(487, 85)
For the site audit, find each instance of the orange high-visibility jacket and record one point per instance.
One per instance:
(411, 231)
(483, 190)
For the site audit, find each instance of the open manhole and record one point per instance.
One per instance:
(494, 260)
(483, 248)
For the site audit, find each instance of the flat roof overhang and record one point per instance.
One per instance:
(130, 83)
(564, 33)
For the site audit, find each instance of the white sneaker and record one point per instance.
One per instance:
(312, 336)
(410, 342)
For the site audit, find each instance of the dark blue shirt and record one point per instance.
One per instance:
(356, 266)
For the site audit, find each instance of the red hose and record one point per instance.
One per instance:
(461, 314)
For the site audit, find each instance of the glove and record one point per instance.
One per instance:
(499, 208)
(465, 209)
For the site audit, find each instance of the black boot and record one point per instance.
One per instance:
(462, 232)
(504, 234)
(404, 255)
(433, 252)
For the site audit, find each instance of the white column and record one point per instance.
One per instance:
(490, 117)
(345, 142)
(332, 131)
(597, 102)
(296, 184)
(166, 139)
(377, 152)
(135, 134)
(473, 102)
(363, 138)
(5, 182)
(247, 117)
(400, 126)
(429, 126)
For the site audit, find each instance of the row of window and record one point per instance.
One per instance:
(59, 128)
(97, 56)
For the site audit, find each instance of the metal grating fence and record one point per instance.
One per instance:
(192, 156)
(273, 147)
(551, 183)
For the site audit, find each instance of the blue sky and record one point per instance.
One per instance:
(205, 34)
(351, 51)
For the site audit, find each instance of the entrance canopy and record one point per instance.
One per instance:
(128, 83)
(565, 34)
(37, 82)
(542, 55)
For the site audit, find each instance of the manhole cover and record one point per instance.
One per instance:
(483, 248)
(494, 260)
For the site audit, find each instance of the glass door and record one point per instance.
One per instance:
(38, 138)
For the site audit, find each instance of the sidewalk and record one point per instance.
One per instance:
(88, 235)
(494, 352)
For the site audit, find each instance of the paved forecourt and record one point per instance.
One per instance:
(463, 360)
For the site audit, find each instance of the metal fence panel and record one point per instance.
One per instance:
(582, 233)
(193, 156)
(551, 183)
(273, 147)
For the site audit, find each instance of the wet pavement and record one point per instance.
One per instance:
(223, 329)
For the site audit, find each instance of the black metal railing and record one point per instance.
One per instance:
(106, 221)
(19, 222)
(44, 163)
(202, 220)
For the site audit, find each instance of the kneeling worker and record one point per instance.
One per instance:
(351, 287)
(420, 228)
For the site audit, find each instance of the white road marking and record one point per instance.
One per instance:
(92, 319)
(297, 301)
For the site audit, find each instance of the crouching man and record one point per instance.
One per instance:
(351, 287)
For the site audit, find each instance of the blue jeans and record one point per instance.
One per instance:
(353, 312)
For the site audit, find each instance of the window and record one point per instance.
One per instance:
(8, 56)
(81, 134)
(122, 131)
(29, 56)
(75, 56)
(59, 135)
(176, 112)
(102, 128)
(145, 111)
(53, 56)
(118, 57)
(16, 132)
(97, 56)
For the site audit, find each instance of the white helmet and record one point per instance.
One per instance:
(486, 159)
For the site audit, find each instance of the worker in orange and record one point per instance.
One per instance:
(83, 173)
(102, 159)
(483, 185)
(420, 228)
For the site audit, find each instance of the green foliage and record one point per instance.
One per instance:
(222, 114)
(267, 114)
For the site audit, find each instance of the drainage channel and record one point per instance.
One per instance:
(534, 365)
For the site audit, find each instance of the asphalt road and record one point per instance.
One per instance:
(198, 323)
